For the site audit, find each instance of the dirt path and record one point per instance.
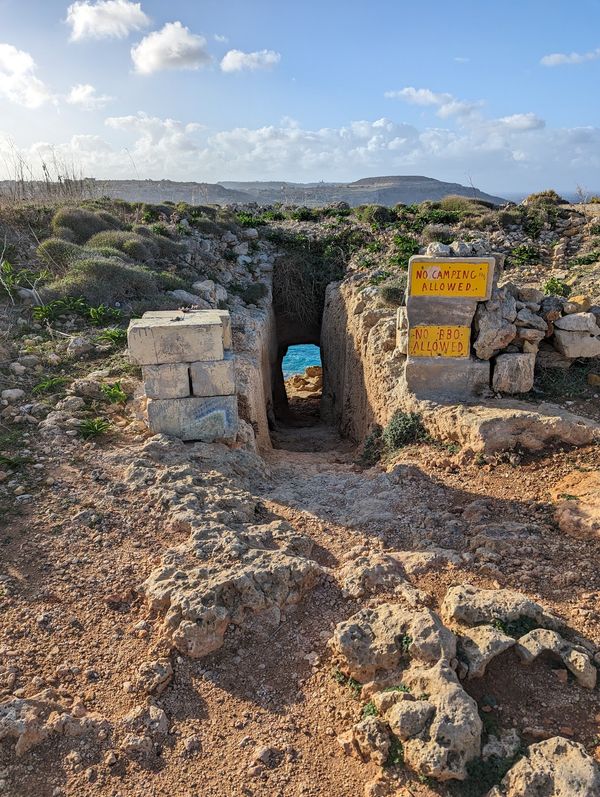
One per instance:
(261, 715)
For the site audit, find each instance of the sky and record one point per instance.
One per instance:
(503, 96)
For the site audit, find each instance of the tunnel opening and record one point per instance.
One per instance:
(303, 381)
(307, 264)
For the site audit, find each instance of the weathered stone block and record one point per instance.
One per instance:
(223, 315)
(513, 373)
(213, 378)
(195, 418)
(576, 344)
(578, 322)
(447, 377)
(182, 337)
(168, 381)
(442, 311)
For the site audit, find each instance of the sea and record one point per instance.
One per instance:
(299, 358)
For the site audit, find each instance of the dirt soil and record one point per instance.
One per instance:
(73, 618)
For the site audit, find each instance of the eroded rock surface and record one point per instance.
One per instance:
(556, 767)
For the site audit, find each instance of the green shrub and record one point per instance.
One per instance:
(135, 246)
(462, 204)
(112, 221)
(58, 254)
(114, 394)
(160, 229)
(102, 280)
(405, 246)
(375, 214)
(595, 229)
(114, 335)
(512, 217)
(101, 314)
(393, 292)
(65, 233)
(171, 282)
(542, 198)
(403, 428)
(94, 427)
(106, 251)
(438, 232)
(524, 255)
(585, 260)
(206, 226)
(594, 200)
(253, 293)
(556, 287)
(82, 223)
(305, 214)
(371, 452)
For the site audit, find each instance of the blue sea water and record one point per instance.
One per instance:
(298, 359)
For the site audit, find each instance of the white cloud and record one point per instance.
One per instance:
(461, 59)
(219, 38)
(106, 19)
(237, 61)
(447, 105)
(501, 155)
(558, 59)
(84, 95)
(18, 80)
(172, 47)
(522, 122)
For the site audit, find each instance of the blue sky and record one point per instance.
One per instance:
(503, 95)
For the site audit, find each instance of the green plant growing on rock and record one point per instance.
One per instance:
(114, 393)
(524, 255)
(556, 287)
(102, 314)
(114, 335)
(405, 247)
(369, 710)
(396, 752)
(586, 259)
(94, 427)
(132, 244)
(371, 453)
(404, 428)
(393, 292)
(50, 384)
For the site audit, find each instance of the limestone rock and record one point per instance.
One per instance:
(578, 322)
(79, 346)
(527, 318)
(474, 606)
(371, 738)
(378, 641)
(529, 293)
(555, 767)
(12, 395)
(33, 719)
(494, 322)
(452, 736)
(409, 717)
(577, 344)
(506, 745)
(540, 640)
(363, 572)
(480, 645)
(513, 373)
(154, 676)
(578, 510)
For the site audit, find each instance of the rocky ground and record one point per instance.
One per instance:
(193, 619)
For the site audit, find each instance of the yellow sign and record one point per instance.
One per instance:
(431, 278)
(436, 341)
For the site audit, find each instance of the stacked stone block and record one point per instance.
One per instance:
(188, 371)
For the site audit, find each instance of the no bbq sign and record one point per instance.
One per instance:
(439, 341)
(466, 279)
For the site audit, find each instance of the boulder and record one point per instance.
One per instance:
(368, 740)
(578, 510)
(494, 323)
(575, 659)
(529, 293)
(12, 395)
(478, 646)
(376, 642)
(451, 737)
(513, 373)
(185, 297)
(527, 318)
(577, 344)
(409, 717)
(578, 322)
(556, 767)
(473, 606)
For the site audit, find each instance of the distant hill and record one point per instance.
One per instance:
(389, 190)
(370, 190)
